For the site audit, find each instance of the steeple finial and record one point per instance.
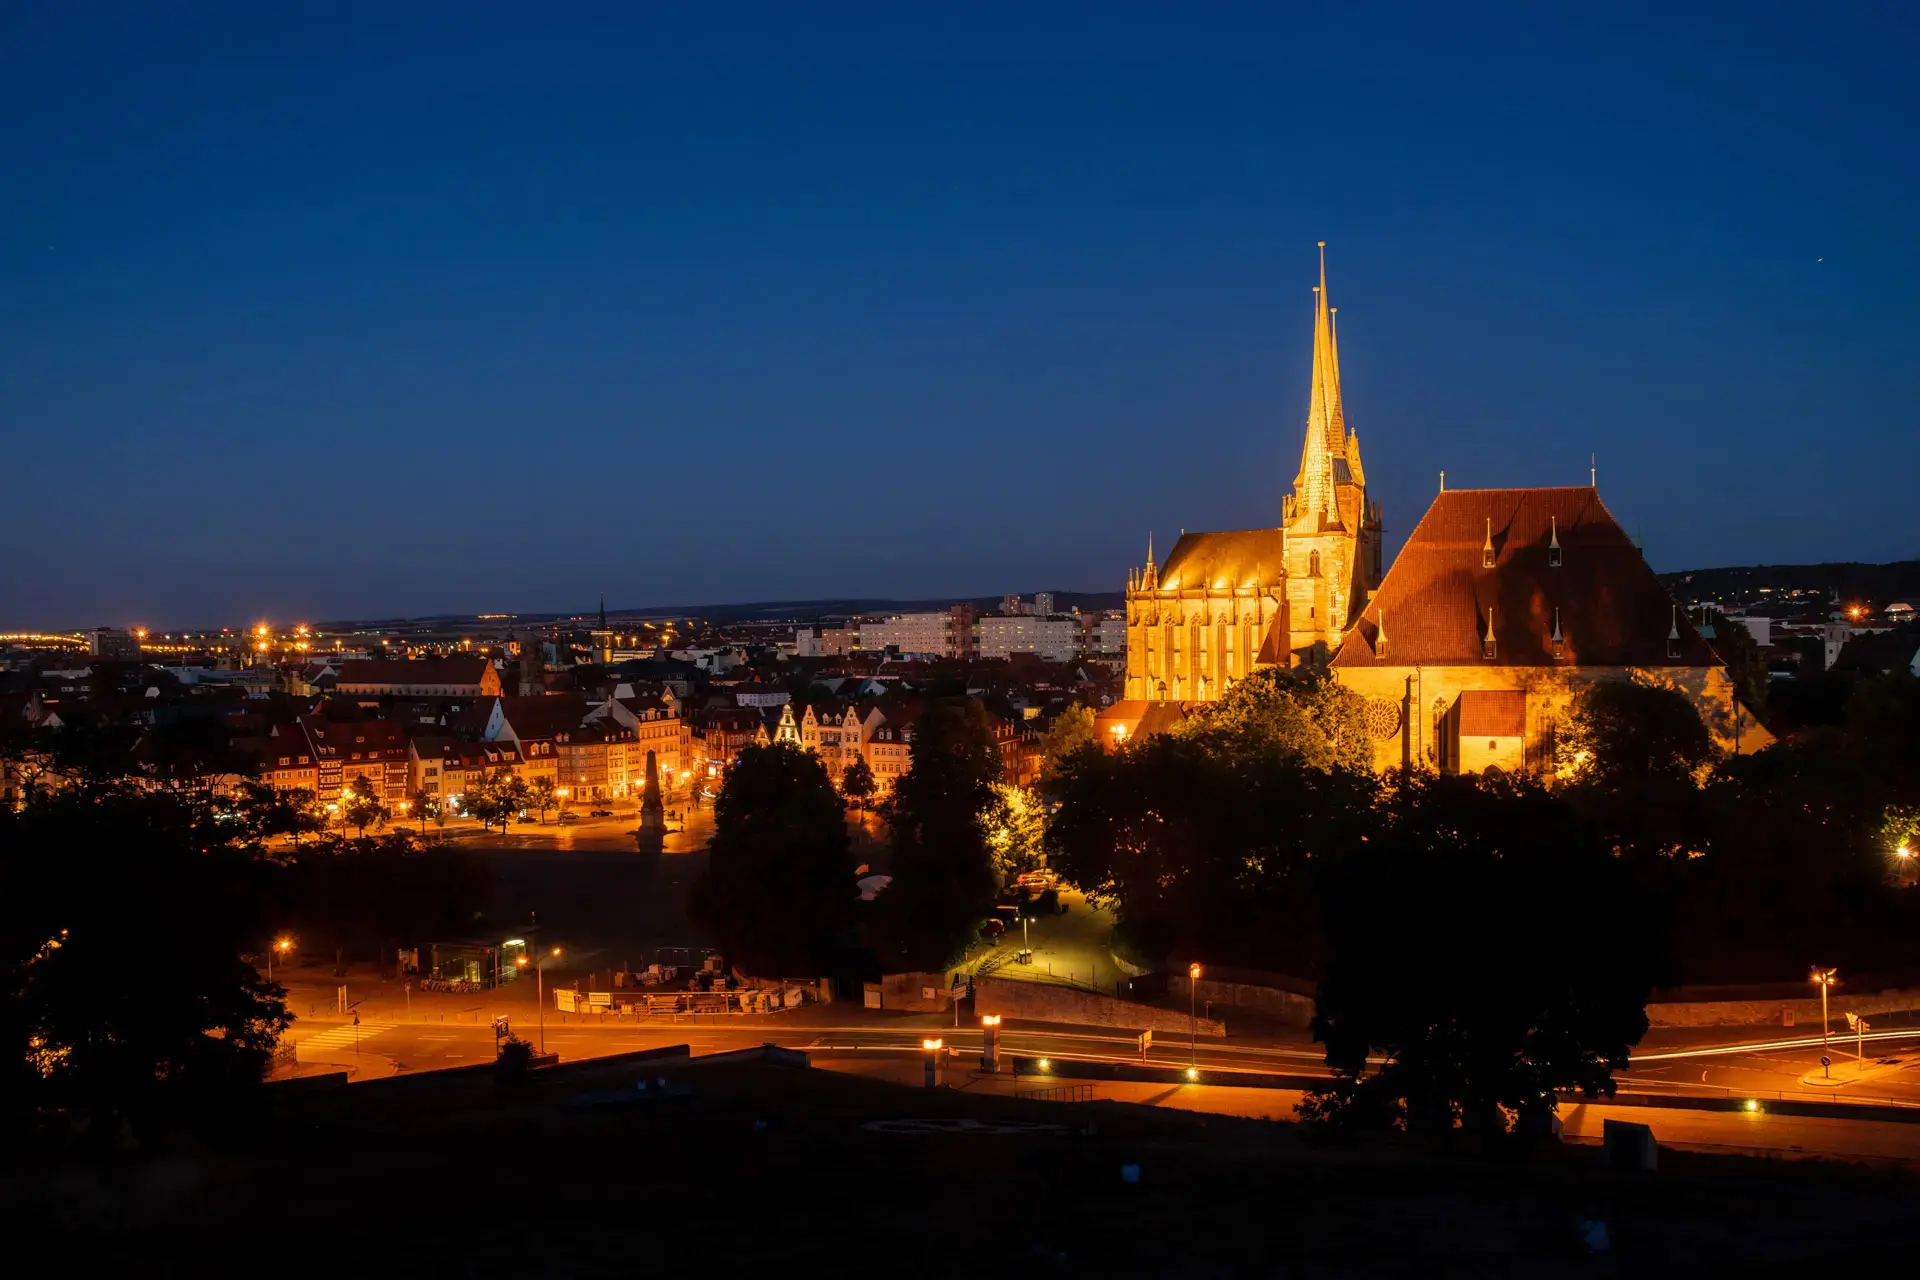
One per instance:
(1593, 471)
(1443, 480)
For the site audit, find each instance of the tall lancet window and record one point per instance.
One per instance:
(1313, 565)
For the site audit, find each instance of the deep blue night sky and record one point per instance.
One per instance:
(338, 310)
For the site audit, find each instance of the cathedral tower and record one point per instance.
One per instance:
(1225, 604)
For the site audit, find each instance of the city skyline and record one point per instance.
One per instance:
(481, 316)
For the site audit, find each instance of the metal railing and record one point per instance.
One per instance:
(1058, 1093)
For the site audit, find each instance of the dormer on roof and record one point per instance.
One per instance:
(1487, 649)
(1559, 641)
(1673, 635)
(1553, 542)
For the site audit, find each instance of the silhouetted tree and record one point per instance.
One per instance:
(1489, 949)
(779, 884)
(943, 870)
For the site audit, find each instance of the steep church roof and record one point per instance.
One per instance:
(1222, 561)
(1436, 599)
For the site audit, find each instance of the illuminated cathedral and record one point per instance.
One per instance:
(1226, 604)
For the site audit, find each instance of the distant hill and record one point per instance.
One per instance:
(1873, 585)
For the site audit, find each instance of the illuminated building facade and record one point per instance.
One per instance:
(1502, 606)
(1226, 604)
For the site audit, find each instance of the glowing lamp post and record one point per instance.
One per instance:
(1193, 1021)
(1824, 979)
(990, 1042)
(540, 994)
(934, 1053)
(282, 944)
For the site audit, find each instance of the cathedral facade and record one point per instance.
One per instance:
(1226, 604)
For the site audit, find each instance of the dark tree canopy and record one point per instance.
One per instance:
(779, 884)
(122, 986)
(858, 781)
(1488, 948)
(943, 863)
(1619, 729)
(1207, 854)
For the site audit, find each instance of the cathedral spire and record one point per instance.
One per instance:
(603, 611)
(1326, 418)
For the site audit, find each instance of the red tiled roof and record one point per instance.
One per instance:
(1492, 713)
(544, 715)
(1612, 609)
(415, 671)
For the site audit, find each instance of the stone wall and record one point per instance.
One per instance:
(1043, 1002)
(1289, 1008)
(907, 992)
(1772, 1013)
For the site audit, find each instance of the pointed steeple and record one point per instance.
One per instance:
(1326, 420)
(603, 611)
(1150, 578)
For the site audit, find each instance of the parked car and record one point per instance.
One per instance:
(600, 813)
(992, 929)
(569, 817)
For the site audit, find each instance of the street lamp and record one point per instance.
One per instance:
(1824, 979)
(540, 995)
(282, 944)
(1193, 1022)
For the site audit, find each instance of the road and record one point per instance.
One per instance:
(893, 1053)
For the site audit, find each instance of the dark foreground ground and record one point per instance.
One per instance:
(785, 1170)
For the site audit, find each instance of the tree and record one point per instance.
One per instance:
(1205, 855)
(1489, 949)
(943, 869)
(858, 782)
(1290, 712)
(427, 805)
(1621, 729)
(1072, 731)
(102, 874)
(542, 796)
(1016, 829)
(779, 884)
(268, 813)
(360, 805)
(496, 797)
(1746, 666)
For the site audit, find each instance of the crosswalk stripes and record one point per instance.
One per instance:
(344, 1037)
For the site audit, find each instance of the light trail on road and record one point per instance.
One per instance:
(1769, 1046)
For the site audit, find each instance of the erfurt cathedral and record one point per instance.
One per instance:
(1226, 604)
